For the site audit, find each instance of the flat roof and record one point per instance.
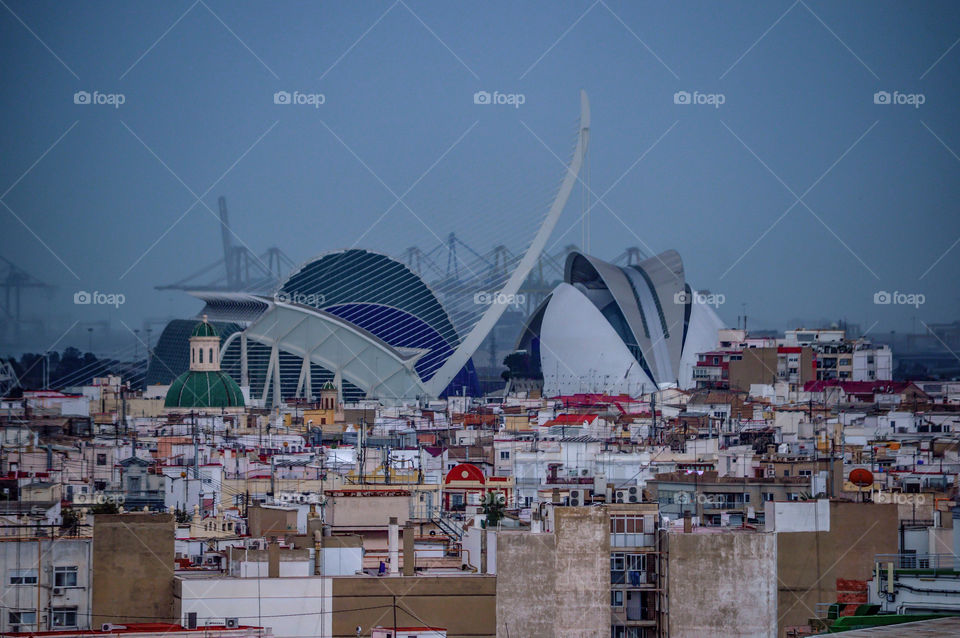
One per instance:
(922, 628)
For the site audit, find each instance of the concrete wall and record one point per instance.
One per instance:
(799, 516)
(722, 584)
(133, 568)
(822, 567)
(465, 605)
(556, 584)
(272, 521)
(367, 511)
(293, 607)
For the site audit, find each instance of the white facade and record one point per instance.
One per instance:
(630, 330)
(292, 607)
(873, 364)
(47, 584)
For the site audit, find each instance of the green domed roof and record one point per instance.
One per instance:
(194, 389)
(204, 329)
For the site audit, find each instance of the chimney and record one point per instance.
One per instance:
(555, 496)
(483, 550)
(687, 523)
(409, 556)
(392, 545)
(535, 525)
(318, 553)
(273, 560)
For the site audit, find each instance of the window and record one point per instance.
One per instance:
(101, 459)
(806, 473)
(22, 617)
(201, 355)
(768, 496)
(23, 577)
(635, 562)
(64, 616)
(504, 455)
(631, 530)
(616, 598)
(210, 357)
(65, 576)
(617, 576)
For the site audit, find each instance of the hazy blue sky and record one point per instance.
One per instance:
(878, 182)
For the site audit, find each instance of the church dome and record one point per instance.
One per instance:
(211, 389)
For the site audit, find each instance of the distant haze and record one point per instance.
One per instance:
(800, 172)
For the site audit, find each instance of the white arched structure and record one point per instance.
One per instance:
(380, 370)
(469, 345)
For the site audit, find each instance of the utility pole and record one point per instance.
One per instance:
(360, 448)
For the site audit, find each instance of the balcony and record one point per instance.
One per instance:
(929, 564)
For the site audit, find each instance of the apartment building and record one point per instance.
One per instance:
(47, 584)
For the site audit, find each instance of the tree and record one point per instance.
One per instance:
(105, 508)
(70, 519)
(493, 507)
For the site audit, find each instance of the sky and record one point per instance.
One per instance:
(803, 157)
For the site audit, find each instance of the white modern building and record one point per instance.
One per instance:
(629, 329)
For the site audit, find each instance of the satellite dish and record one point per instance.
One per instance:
(861, 477)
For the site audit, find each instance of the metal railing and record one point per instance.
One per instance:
(920, 561)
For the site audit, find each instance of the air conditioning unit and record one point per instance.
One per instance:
(232, 623)
(109, 626)
(633, 495)
(620, 496)
(58, 591)
(579, 497)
